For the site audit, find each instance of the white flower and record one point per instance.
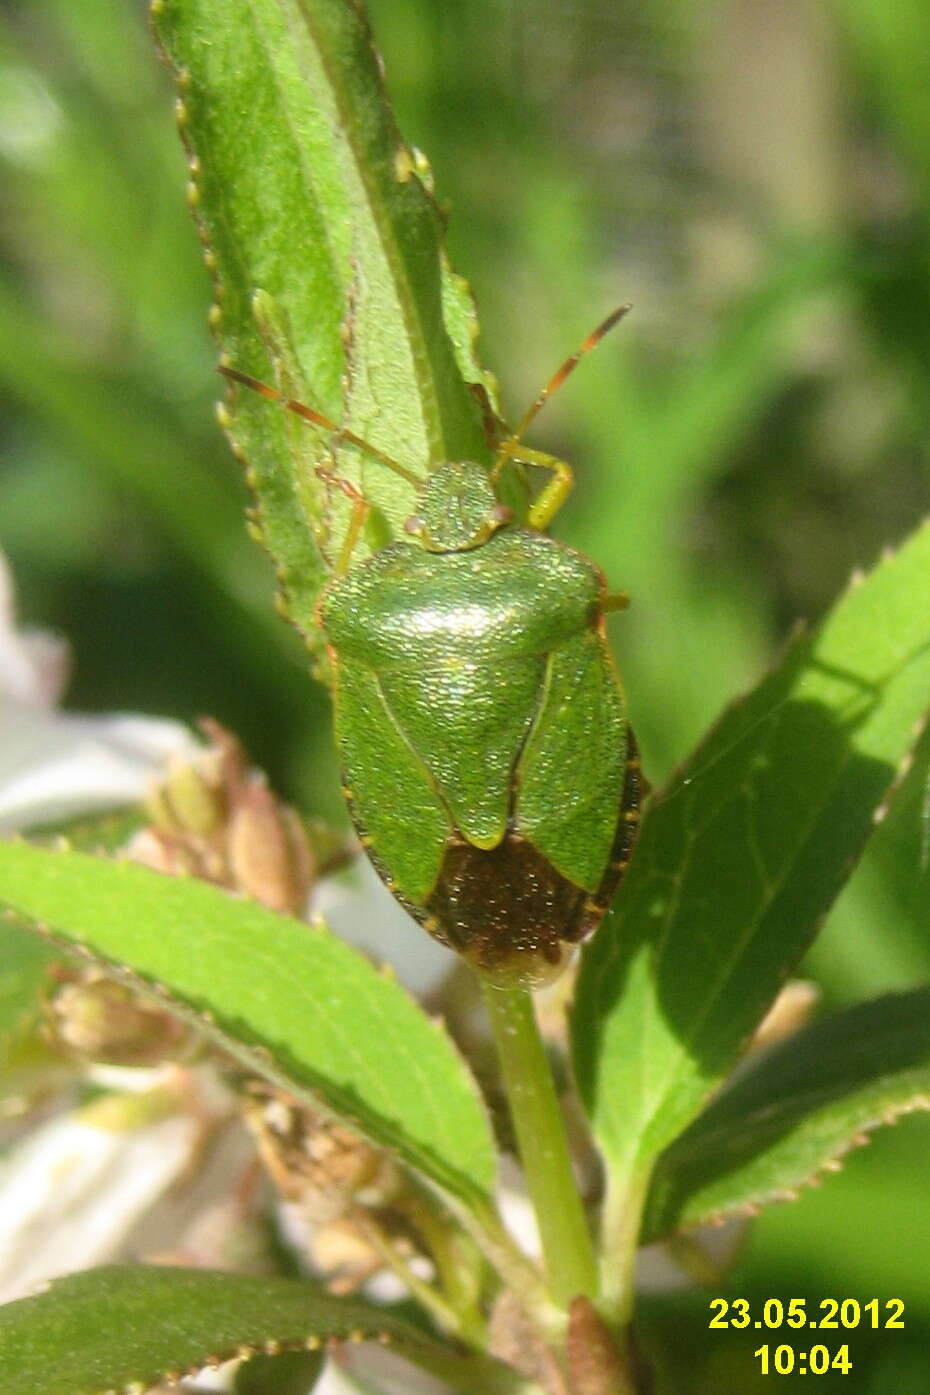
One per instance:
(73, 1189)
(53, 764)
(33, 665)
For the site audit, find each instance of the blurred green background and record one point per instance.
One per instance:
(755, 176)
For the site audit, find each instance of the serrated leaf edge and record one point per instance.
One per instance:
(259, 1058)
(225, 418)
(800, 632)
(244, 1351)
(831, 1163)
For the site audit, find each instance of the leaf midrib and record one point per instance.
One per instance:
(430, 397)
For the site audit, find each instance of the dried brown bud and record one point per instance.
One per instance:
(162, 852)
(321, 1165)
(269, 855)
(515, 1339)
(595, 1365)
(215, 818)
(343, 1255)
(98, 1019)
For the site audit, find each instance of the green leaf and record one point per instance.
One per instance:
(794, 1110)
(109, 1328)
(23, 964)
(292, 1001)
(305, 193)
(103, 1330)
(742, 855)
(291, 1373)
(24, 959)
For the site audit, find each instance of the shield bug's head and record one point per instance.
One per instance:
(457, 508)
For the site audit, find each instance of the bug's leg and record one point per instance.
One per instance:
(568, 367)
(616, 600)
(342, 433)
(547, 504)
(360, 510)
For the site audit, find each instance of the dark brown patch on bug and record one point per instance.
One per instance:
(509, 903)
(500, 904)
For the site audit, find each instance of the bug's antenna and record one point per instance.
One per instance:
(558, 378)
(317, 418)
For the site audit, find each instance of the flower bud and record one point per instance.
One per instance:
(190, 799)
(269, 855)
(98, 1019)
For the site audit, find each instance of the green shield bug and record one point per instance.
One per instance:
(488, 764)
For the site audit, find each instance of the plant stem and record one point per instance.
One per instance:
(520, 1273)
(458, 1260)
(620, 1226)
(430, 1298)
(540, 1129)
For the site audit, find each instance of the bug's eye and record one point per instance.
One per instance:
(413, 524)
(502, 513)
